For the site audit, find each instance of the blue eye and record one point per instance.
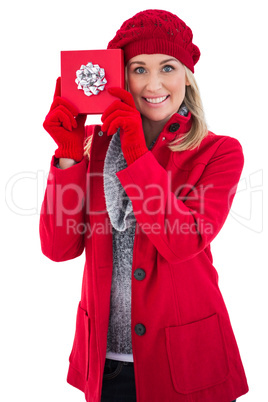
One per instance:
(167, 69)
(139, 70)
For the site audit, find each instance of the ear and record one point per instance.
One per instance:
(187, 82)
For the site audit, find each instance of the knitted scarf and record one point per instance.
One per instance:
(120, 210)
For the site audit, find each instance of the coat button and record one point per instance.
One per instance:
(139, 274)
(140, 329)
(174, 127)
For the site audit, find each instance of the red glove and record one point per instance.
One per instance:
(124, 115)
(67, 131)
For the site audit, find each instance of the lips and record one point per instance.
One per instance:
(160, 99)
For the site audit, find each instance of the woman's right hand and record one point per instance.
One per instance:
(66, 127)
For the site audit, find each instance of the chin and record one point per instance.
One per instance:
(157, 117)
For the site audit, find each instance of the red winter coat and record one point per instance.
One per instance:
(188, 352)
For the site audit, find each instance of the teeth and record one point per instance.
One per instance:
(156, 100)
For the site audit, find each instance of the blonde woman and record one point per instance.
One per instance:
(144, 199)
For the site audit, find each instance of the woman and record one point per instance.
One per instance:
(145, 201)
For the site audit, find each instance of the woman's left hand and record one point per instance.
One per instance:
(124, 115)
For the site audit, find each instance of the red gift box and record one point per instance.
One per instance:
(87, 74)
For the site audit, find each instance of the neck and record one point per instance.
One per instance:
(152, 129)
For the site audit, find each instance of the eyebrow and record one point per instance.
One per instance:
(142, 62)
(165, 61)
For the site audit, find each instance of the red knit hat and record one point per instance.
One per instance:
(156, 31)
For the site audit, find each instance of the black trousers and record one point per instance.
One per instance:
(119, 382)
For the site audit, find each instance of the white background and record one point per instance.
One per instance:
(39, 297)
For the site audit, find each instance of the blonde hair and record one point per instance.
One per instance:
(193, 102)
(87, 145)
(199, 129)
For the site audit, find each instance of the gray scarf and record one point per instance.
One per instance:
(120, 210)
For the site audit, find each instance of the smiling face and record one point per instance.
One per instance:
(157, 83)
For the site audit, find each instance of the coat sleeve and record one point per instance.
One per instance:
(62, 215)
(182, 226)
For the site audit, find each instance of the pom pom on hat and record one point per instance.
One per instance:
(156, 31)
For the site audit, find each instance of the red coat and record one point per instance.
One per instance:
(180, 200)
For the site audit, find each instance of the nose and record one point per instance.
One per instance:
(153, 83)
